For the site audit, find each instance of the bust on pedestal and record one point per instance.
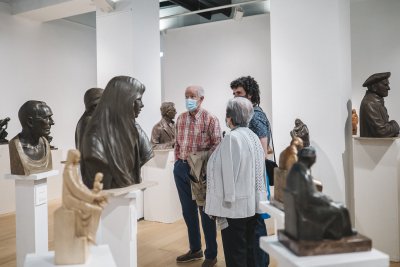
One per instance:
(3, 128)
(163, 133)
(29, 150)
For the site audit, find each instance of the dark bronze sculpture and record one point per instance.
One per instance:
(163, 133)
(301, 130)
(3, 128)
(374, 118)
(91, 99)
(309, 214)
(29, 150)
(112, 142)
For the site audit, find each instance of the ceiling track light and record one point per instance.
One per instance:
(238, 13)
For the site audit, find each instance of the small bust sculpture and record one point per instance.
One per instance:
(301, 130)
(309, 214)
(91, 99)
(113, 143)
(163, 133)
(354, 121)
(374, 118)
(76, 222)
(3, 128)
(29, 150)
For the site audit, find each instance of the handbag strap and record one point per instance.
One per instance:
(272, 142)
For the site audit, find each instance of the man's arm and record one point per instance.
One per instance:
(215, 133)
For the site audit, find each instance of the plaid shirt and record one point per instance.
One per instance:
(198, 132)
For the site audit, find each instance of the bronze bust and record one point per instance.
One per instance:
(112, 142)
(163, 133)
(91, 99)
(309, 214)
(3, 128)
(29, 150)
(301, 130)
(374, 118)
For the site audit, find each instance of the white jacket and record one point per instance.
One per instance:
(236, 176)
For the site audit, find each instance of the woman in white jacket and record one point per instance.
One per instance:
(236, 184)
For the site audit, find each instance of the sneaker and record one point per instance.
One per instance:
(209, 262)
(190, 256)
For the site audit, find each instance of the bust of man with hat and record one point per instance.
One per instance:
(374, 118)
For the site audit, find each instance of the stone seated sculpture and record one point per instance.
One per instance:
(29, 150)
(163, 133)
(113, 143)
(76, 222)
(3, 128)
(311, 216)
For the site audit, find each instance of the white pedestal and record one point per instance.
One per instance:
(118, 224)
(376, 192)
(100, 256)
(161, 202)
(286, 258)
(31, 213)
(276, 214)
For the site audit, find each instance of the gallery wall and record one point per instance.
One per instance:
(214, 54)
(54, 62)
(375, 43)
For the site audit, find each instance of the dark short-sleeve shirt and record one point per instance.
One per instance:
(259, 124)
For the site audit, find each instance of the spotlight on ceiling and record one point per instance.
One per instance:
(238, 13)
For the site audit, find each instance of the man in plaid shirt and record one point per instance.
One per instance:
(196, 130)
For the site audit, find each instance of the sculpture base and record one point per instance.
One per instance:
(355, 243)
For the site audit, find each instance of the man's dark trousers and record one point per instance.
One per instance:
(190, 213)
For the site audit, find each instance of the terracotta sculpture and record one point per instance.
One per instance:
(3, 128)
(289, 156)
(374, 118)
(354, 121)
(301, 130)
(163, 133)
(29, 150)
(286, 159)
(76, 222)
(91, 99)
(113, 143)
(309, 214)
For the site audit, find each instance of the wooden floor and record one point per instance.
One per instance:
(158, 244)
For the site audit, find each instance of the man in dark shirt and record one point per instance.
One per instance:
(248, 87)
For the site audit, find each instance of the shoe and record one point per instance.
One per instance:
(190, 256)
(209, 262)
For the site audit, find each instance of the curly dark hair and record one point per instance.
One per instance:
(250, 86)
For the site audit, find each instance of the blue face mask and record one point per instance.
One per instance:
(191, 104)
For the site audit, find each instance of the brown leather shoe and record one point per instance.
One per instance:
(190, 256)
(209, 262)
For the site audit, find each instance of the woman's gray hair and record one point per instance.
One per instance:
(240, 110)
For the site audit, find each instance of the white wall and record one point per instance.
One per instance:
(212, 55)
(54, 62)
(311, 80)
(375, 43)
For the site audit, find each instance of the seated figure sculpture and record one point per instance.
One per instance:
(163, 133)
(29, 150)
(374, 118)
(3, 128)
(76, 222)
(91, 99)
(301, 130)
(113, 143)
(309, 214)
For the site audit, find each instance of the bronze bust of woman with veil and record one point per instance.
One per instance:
(113, 143)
